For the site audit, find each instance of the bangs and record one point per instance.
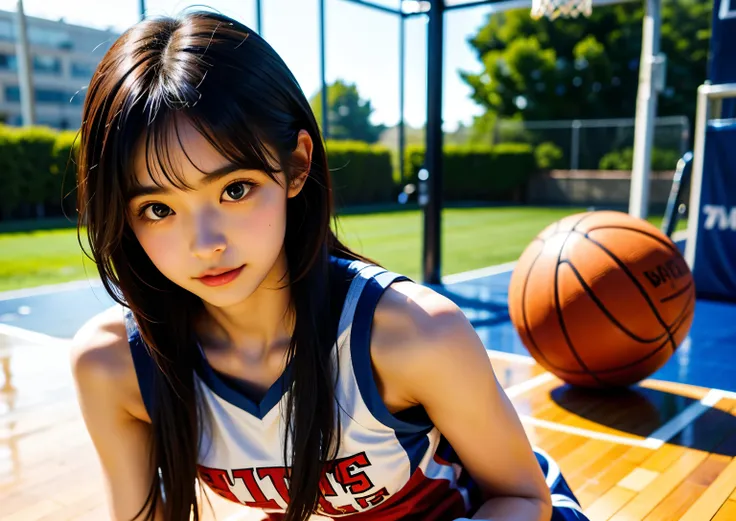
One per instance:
(197, 72)
(239, 142)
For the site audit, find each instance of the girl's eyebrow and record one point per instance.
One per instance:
(209, 178)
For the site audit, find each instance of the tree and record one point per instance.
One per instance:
(349, 115)
(587, 68)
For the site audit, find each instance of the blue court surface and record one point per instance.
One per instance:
(705, 358)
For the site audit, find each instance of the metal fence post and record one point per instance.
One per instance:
(575, 145)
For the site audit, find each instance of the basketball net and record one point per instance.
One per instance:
(553, 9)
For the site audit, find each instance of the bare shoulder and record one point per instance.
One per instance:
(110, 403)
(410, 311)
(411, 317)
(416, 331)
(98, 346)
(101, 361)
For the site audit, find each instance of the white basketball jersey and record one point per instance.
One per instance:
(389, 466)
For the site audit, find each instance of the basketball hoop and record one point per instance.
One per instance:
(553, 9)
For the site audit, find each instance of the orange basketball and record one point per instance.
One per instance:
(602, 299)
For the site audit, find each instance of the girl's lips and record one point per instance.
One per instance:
(222, 278)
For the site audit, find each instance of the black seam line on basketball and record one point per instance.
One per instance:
(560, 318)
(523, 312)
(675, 294)
(690, 299)
(637, 284)
(676, 325)
(523, 308)
(608, 314)
(669, 246)
(679, 321)
(629, 364)
(584, 216)
(642, 359)
(683, 311)
(672, 248)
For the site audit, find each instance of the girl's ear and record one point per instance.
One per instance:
(301, 159)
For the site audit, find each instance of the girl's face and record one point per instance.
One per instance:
(233, 220)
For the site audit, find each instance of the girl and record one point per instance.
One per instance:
(253, 351)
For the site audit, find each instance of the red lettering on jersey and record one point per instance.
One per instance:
(259, 498)
(355, 482)
(345, 471)
(372, 499)
(277, 475)
(219, 481)
(327, 508)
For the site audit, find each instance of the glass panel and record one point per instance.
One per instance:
(47, 64)
(83, 70)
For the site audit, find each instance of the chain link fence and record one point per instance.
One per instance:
(598, 143)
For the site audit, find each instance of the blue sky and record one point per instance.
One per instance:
(362, 45)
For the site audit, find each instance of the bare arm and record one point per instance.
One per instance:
(102, 367)
(442, 365)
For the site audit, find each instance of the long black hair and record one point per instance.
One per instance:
(239, 94)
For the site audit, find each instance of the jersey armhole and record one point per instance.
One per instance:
(410, 421)
(145, 368)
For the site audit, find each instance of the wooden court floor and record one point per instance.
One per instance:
(659, 452)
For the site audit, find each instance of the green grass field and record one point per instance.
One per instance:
(472, 238)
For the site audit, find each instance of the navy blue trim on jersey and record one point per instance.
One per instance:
(565, 506)
(145, 368)
(415, 445)
(259, 409)
(447, 453)
(360, 338)
(233, 392)
(344, 270)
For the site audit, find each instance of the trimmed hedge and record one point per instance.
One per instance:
(473, 173)
(10, 181)
(27, 159)
(361, 173)
(662, 159)
(63, 178)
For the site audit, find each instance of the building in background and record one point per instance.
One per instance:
(63, 56)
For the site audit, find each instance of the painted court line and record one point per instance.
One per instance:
(49, 289)
(532, 383)
(679, 236)
(727, 394)
(656, 440)
(511, 357)
(478, 274)
(18, 334)
(691, 413)
(586, 433)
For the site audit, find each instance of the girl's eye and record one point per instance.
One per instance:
(236, 191)
(156, 211)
